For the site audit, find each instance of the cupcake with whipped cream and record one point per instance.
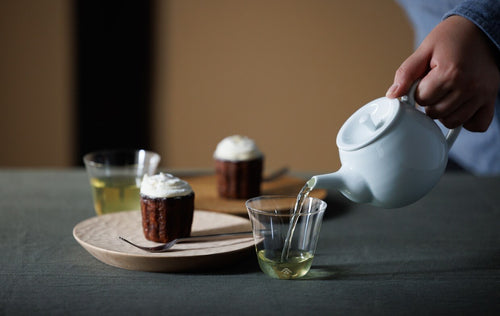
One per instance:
(167, 207)
(238, 167)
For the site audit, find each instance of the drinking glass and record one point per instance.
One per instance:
(115, 177)
(285, 241)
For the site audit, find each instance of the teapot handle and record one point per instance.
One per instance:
(452, 134)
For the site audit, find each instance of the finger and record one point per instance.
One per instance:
(481, 120)
(443, 107)
(432, 89)
(462, 115)
(413, 68)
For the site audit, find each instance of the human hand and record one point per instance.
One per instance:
(459, 75)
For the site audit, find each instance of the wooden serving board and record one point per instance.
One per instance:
(207, 198)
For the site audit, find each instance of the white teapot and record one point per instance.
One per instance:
(391, 153)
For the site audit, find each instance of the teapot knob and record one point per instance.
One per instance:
(368, 121)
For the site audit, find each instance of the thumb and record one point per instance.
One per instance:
(413, 68)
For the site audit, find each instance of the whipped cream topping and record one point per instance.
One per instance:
(237, 148)
(164, 185)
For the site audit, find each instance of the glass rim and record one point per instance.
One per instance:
(320, 209)
(87, 158)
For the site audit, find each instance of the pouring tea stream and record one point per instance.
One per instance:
(391, 154)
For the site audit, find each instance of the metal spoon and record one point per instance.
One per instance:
(170, 244)
(276, 174)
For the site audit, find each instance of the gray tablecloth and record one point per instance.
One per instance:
(440, 255)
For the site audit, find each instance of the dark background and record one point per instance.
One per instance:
(114, 53)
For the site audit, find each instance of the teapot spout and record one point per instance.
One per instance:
(346, 181)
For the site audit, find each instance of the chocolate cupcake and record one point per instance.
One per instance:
(238, 167)
(167, 207)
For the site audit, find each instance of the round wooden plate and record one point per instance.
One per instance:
(99, 236)
(207, 198)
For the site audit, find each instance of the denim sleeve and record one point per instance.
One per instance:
(484, 13)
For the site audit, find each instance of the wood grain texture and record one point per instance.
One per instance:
(99, 236)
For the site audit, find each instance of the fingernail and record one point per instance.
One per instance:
(391, 90)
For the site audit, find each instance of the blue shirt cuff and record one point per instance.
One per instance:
(485, 14)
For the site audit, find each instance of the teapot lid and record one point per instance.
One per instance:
(367, 123)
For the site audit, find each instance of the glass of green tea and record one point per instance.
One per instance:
(286, 231)
(115, 177)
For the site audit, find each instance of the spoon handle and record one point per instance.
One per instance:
(214, 236)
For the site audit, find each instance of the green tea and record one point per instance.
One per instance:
(301, 199)
(296, 265)
(115, 194)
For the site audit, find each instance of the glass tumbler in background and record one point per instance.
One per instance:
(115, 177)
(272, 221)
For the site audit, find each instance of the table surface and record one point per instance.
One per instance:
(440, 255)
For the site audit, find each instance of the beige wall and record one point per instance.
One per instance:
(35, 83)
(286, 73)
